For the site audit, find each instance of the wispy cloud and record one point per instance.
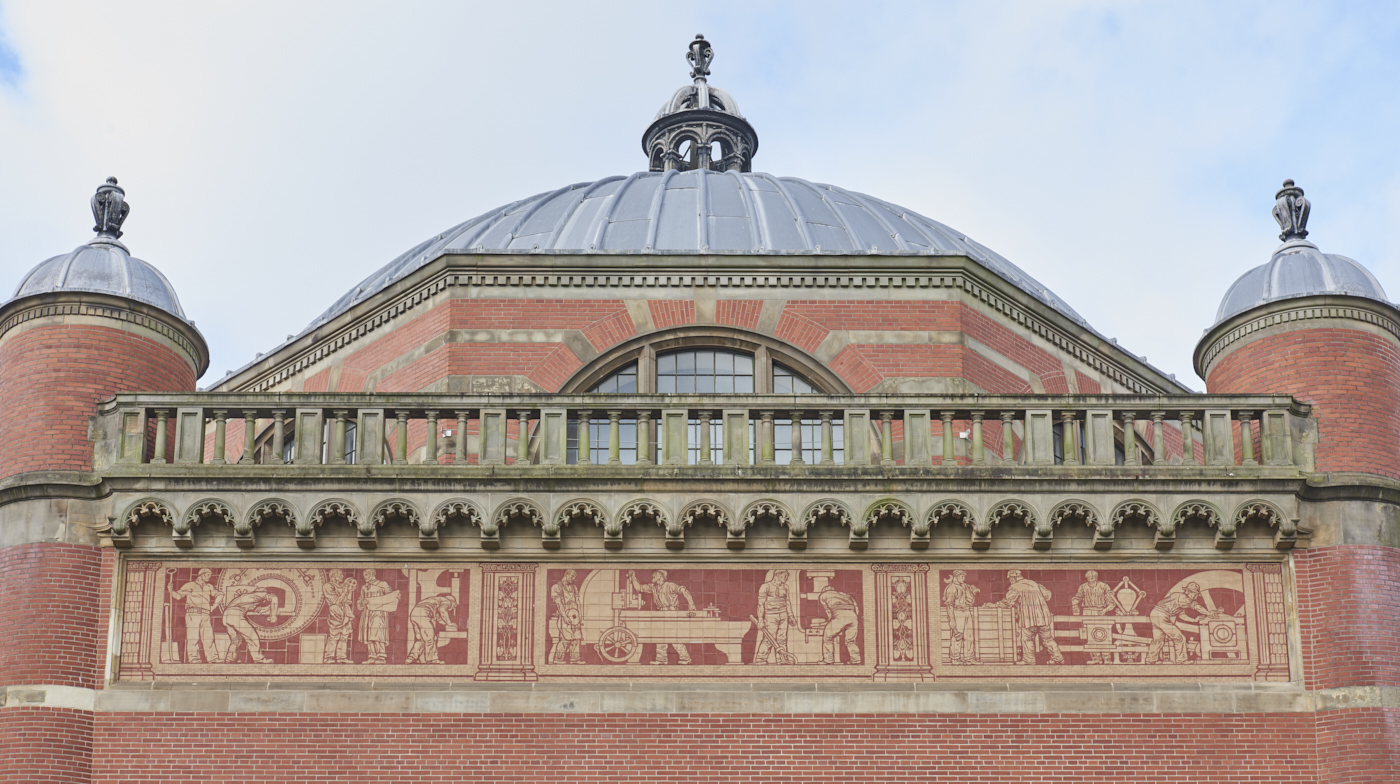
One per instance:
(11, 72)
(1125, 154)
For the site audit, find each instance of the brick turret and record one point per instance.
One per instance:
(81, 327)
(1318, 326)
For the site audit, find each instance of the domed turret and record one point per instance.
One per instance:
(700, 127)
(1297, 268)
(1318, 326)
(81, 327)
(103, 265)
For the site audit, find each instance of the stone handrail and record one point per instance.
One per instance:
(1093, 430)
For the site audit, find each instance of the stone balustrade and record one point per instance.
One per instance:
(896, 432)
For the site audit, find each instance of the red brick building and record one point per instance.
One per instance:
(691, 474)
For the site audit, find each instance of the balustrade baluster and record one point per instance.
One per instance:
(220, 429)
(1247, 438)
(401, 438)
(644, 438)
(886, 438)
(250, 425)
(585, 437)
(522, 437)
(279, 437)
(161, 416)
(1069, 445)
(765, 438)
(704, 418)
(946, 417)
(1159, 443)
(797, 439)
(828, 449)
(614, 438)
(430, 455)
(1130, 453)
(1008, 438)
(338, 438)
(1188, 441)
(978, 456)
(459, 456)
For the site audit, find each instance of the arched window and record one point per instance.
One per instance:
(706, 371)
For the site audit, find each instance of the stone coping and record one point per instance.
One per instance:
(771, 698)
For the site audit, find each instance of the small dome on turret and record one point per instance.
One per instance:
(1297, 268)
(103, 265)
(700, 127)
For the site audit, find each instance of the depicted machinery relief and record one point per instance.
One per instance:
(520, 621)
(1158, 620)
(782, 617)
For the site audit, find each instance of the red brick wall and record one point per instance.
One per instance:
(55, 375)
(1349, 610)
(45, 746)
(1351, 377)
(49, 619)
(679, 748)
(1359, 745)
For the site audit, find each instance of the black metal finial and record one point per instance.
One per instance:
(700, 57)
(1291, 212)
(109, 209)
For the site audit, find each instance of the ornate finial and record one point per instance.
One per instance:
(700, 57)
(1291, 212)
(109, 209)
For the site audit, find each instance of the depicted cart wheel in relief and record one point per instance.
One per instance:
(377, 600)
(665, 596)
(201, 600)
(1094, 598)
(340, 604)
(618, 644)
(1034, 621)
(566, 641)
(960, 600)
(774, 617)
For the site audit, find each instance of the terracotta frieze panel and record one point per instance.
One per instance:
(512, 621)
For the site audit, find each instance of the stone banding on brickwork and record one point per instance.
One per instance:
(1289, 314)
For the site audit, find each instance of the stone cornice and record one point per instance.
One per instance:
(556, 271)
(1220, 338)
(63, 304)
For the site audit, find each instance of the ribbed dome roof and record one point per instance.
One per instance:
(699, 211)
(1298, 269)
(103, 266)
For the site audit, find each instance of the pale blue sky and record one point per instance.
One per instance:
(1126, 154)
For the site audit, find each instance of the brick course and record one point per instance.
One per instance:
(1199, 748)
(1351, 377)
(49, 619)
(45, 746)
(55, 376)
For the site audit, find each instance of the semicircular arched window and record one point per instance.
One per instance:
(706, 371)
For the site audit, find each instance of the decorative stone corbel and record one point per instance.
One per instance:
(801, 527)
(272, 507)
(1078, 510)
(699, 510)
(1041, 534)
(209, 508)
(121, 528)
(580, 510)
(645, 510)
(518, 508)
(336, 508)
(395, 508)
(429, 527)
(921, 533)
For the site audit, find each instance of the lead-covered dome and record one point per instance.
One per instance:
(103, 265)
(1297, 268)
(700, 211)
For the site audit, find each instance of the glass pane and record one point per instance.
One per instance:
(627, 384)
(705, 383)
(743, 384)
(724, 384)
(704, 362)
(685, 362)
(685, 383)
(743, 365)
(665, 383)
(666, 363)
(782, 384)
(724, 362)
(624, 379)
